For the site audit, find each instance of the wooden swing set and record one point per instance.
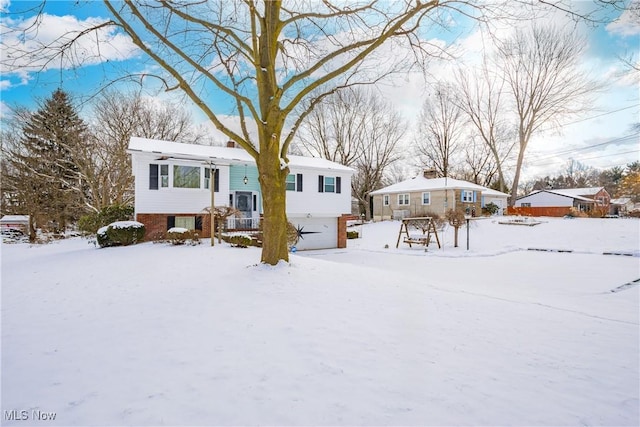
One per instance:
(423, 223)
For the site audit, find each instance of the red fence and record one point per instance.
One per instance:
(558, 211)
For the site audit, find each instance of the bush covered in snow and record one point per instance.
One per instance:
(239, 240)
(90, 223)
(120, 233)
(180, 236)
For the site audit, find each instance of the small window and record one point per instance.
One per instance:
(426, 198)
(186, 176)
(164, 176)
(403, 199)
(291, 182)
(385, 200)
(526, 205)
(188, 222)
(467, 196)
(329, 184)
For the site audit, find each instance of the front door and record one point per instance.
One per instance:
(245, 207)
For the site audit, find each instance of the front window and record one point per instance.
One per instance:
(426, 198)
(188, 222)
(385, 200)
(186, 176)
(403, 199)
(467, 196)
(329, 184)
(291, 182)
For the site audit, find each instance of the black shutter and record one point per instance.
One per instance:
(216, 177)
(338, 184)
(199, 223)
(171, 221)
(255, 202)
(299, 182)
(321, 184)
(153, 177)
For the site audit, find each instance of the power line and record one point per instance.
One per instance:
(600, 115)
(548, 156)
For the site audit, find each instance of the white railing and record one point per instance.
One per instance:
(243, 223)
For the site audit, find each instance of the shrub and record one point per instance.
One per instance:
(352, 235)
(239, 240)
(491, 208)
(120, 233)
(180, 236)
(90, 223)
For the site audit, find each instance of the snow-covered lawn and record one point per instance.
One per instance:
(193, 335)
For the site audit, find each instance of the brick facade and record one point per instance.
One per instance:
(342, 229)
(156, 224)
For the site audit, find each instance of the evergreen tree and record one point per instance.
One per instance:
(46, 173)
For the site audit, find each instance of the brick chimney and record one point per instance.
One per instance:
(231, 144)
(430, 173)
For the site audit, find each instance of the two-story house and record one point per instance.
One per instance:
(173, 189)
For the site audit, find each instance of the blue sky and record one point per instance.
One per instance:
(616, 110)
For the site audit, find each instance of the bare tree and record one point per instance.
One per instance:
(479, 164)
(357, 128)
(116, 118)
(545, 82)
(440, 133)
(480, 97)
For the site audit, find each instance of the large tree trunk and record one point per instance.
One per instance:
(274, 226)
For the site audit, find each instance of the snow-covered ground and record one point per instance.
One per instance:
(193, 335)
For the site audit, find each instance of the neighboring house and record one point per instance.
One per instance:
(20, 222)
(422, 196)
(621, 206)
(172, 189)
(559, 202)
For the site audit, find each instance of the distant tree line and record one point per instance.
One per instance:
(57, 166)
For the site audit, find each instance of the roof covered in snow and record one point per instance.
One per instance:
(15, 218)
(582, 194)
(575, 192)
(420, 183)
(225, 155)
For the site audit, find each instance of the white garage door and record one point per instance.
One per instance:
(316, 233)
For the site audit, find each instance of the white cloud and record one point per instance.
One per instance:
(35, 44)
(628, 24)
(4, 6)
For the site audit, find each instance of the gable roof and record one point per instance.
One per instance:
(420, 183)
(576, 192)
(573, 193)
(221, 154)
